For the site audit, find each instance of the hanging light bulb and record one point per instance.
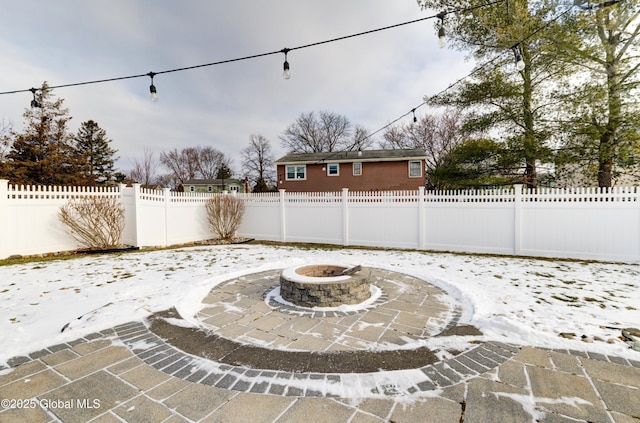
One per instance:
(442, 39)
(415, 119)
(286, 72)
(152, 88)
(520, 65)
(35, 103)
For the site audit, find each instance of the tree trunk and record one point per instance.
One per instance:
(530, 145)
(609, 138)
(604, 173)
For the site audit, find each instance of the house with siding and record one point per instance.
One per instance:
(215, 185)
(367, 170)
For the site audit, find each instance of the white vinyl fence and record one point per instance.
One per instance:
(582, 223)
(29, 222)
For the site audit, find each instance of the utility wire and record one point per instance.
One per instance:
(476, 70)
(473, 72)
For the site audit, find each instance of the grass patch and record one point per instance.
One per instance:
(565, 298)
(67, 255)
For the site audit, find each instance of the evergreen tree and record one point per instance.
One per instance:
(600, 106)
(476, 163)
(92, 146)
(42, 154)
(507, 101)
(223, 173)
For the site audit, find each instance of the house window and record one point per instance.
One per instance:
(209, 188)
(233, 188)
(192, 188)
(357, 169)
(415, 169)
(333, 169)
(296, 172)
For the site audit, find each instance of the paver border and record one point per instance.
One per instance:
(171, 360)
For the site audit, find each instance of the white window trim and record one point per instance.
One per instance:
(419, 167)
(337, 165)
(286, 173)
(354, 168)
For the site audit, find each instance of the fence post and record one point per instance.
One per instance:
(517, 219)
(345, 216)
(132, 209)
(4, 219)
(167, 204)
(283, 221)
(421, 218)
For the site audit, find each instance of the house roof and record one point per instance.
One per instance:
(212, 182)
(353, 156)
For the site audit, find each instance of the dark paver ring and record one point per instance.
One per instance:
(203, 355)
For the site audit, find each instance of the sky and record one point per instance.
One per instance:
(520, 301)
(372, 79)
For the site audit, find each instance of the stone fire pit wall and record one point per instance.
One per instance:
(317, 286)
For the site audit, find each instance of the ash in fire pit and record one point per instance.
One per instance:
(324, 285)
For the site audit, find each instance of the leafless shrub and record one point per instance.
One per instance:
(224, 213)
(95, 222)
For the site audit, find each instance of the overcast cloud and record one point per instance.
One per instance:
(372, 79)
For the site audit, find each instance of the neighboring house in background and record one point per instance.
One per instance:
(367, 170)
(215, 185)
(586, 175)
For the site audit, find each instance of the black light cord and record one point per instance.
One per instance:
(254, 56)
(477, 69)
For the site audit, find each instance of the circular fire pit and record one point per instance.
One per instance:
(324, 285)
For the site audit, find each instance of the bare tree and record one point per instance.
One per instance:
(94, 222)
(437, 135)
(5, 144)
(5, 138)
(361, 138)
(210, 160)
(182, 165)
(145, 171)
(322, 132)
(193, 162)
(257, 160)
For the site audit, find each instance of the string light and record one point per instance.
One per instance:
(286, 68)
(426, 99)
(152, 88)
(34, 103)
(461, 10)
(520, 65)
(442, 39)
(286, 72)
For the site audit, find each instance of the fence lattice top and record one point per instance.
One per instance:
(615, 194)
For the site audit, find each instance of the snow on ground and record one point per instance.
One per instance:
(514, 300)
